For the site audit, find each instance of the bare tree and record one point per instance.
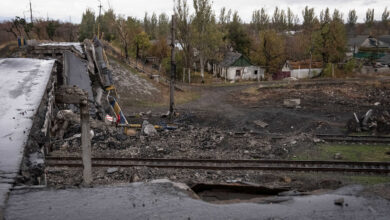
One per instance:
(123, 34)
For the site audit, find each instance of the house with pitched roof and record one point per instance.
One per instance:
(235, 67)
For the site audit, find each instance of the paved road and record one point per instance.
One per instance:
(165, 201)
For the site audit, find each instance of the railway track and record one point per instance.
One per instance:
(270, 165)
(354, 139)
(333, 138)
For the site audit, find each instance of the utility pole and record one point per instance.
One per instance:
(173, 67)
(31, 16)
(311, 58)
(100, 12)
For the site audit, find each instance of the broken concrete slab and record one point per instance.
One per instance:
(24, 82)
(112, 170)
(292, 103)
(150, 130)
(77, 73)
(260, 124)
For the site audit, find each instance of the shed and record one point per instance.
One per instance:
(236, 66)
(302, 69)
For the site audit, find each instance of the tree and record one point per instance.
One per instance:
(51, 29)
(270, 50)
(18, 27)
(146, 24)
(337, 16)
(385, 17)
(330, 39)
(309, 18)
(224, 17)
(160, 49)
(123, 33)
(87, 26)
(325, 16)
(238, 37)
(260, 20)
(292, 20)
(163, 25)
(207, 38)
(107, 25)
(369, 17)
(352, 18)
(183, 30)
(279, 19)
(142, 43)
(153, 26)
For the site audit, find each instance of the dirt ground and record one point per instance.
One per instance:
(222, 123)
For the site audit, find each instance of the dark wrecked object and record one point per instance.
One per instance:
(373, 120)
(339, 202)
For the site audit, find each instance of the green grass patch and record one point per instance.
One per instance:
(180, 98)
(347, 152)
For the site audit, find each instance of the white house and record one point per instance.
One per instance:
(237, 67)
(302, 69)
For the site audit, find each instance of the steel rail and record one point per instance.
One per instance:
(281, 165)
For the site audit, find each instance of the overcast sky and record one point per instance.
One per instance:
(66, 10)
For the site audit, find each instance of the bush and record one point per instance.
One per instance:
(328, 70)
(350, 66)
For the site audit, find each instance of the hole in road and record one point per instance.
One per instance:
(233, 193)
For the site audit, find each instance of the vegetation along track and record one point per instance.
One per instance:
(275, 165)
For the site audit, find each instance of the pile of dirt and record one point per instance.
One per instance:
(131, 86)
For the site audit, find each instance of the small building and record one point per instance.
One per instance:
(236, 66)
(373, 43)
(369, 47)
(301, 69)
(354, 43)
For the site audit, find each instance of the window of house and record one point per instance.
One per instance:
(238, 72)
(255, 72)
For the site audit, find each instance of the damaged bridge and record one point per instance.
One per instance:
(37, 99)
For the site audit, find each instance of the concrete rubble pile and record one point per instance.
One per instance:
(91, 72)
(80, 67)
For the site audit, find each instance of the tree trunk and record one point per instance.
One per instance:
(189, 75)
(126, 52)
(202, 67)
(137, 52)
